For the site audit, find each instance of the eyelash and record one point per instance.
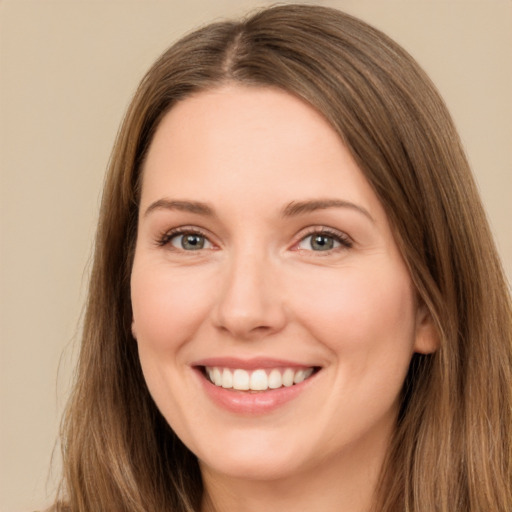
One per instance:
(339, 237)
(166, 237)
(343, 239)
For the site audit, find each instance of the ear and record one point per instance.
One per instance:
(427, 340)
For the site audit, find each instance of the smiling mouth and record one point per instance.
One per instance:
(239, 379)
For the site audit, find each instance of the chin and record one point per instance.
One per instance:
(261, 460)
(261, 469)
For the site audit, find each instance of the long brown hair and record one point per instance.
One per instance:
(452, 447)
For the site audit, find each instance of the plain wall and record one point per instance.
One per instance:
(67, 72)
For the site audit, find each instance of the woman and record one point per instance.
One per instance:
(295, 299)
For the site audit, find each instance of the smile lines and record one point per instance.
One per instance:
(257, 380)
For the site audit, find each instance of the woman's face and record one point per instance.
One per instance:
(263, 257)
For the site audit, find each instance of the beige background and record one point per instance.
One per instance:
(67, 71)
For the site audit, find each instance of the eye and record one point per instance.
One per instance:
(186, 240)
(323, 241)
(190, 242)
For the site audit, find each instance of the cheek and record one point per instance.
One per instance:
(168, 309)
(168, 305)
(359, 310)
(367, 322)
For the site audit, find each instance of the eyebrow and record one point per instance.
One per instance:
(293, 209)
(184, 206)
(300, 207)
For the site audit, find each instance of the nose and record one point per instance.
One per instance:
(251, 302)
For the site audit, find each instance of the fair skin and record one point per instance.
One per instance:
(261, 246)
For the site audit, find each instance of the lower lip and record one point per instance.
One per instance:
(246, 402)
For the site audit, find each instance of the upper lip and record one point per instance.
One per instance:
(250, 364)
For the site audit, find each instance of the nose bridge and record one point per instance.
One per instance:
(249, 301)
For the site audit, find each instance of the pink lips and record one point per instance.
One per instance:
(249, 402)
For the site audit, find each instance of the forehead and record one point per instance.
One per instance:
(250, 142)
(270, 114)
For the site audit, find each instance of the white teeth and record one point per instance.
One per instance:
(258, 380)
(288, 377)
(240, 380)
(299, 377)
(217, 377)
(227, 378)
(274, 379)
(302, 375)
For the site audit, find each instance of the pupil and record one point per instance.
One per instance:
(192, 242)
(322, 243)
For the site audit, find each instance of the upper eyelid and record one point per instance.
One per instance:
(167, 235)
(314, 230)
